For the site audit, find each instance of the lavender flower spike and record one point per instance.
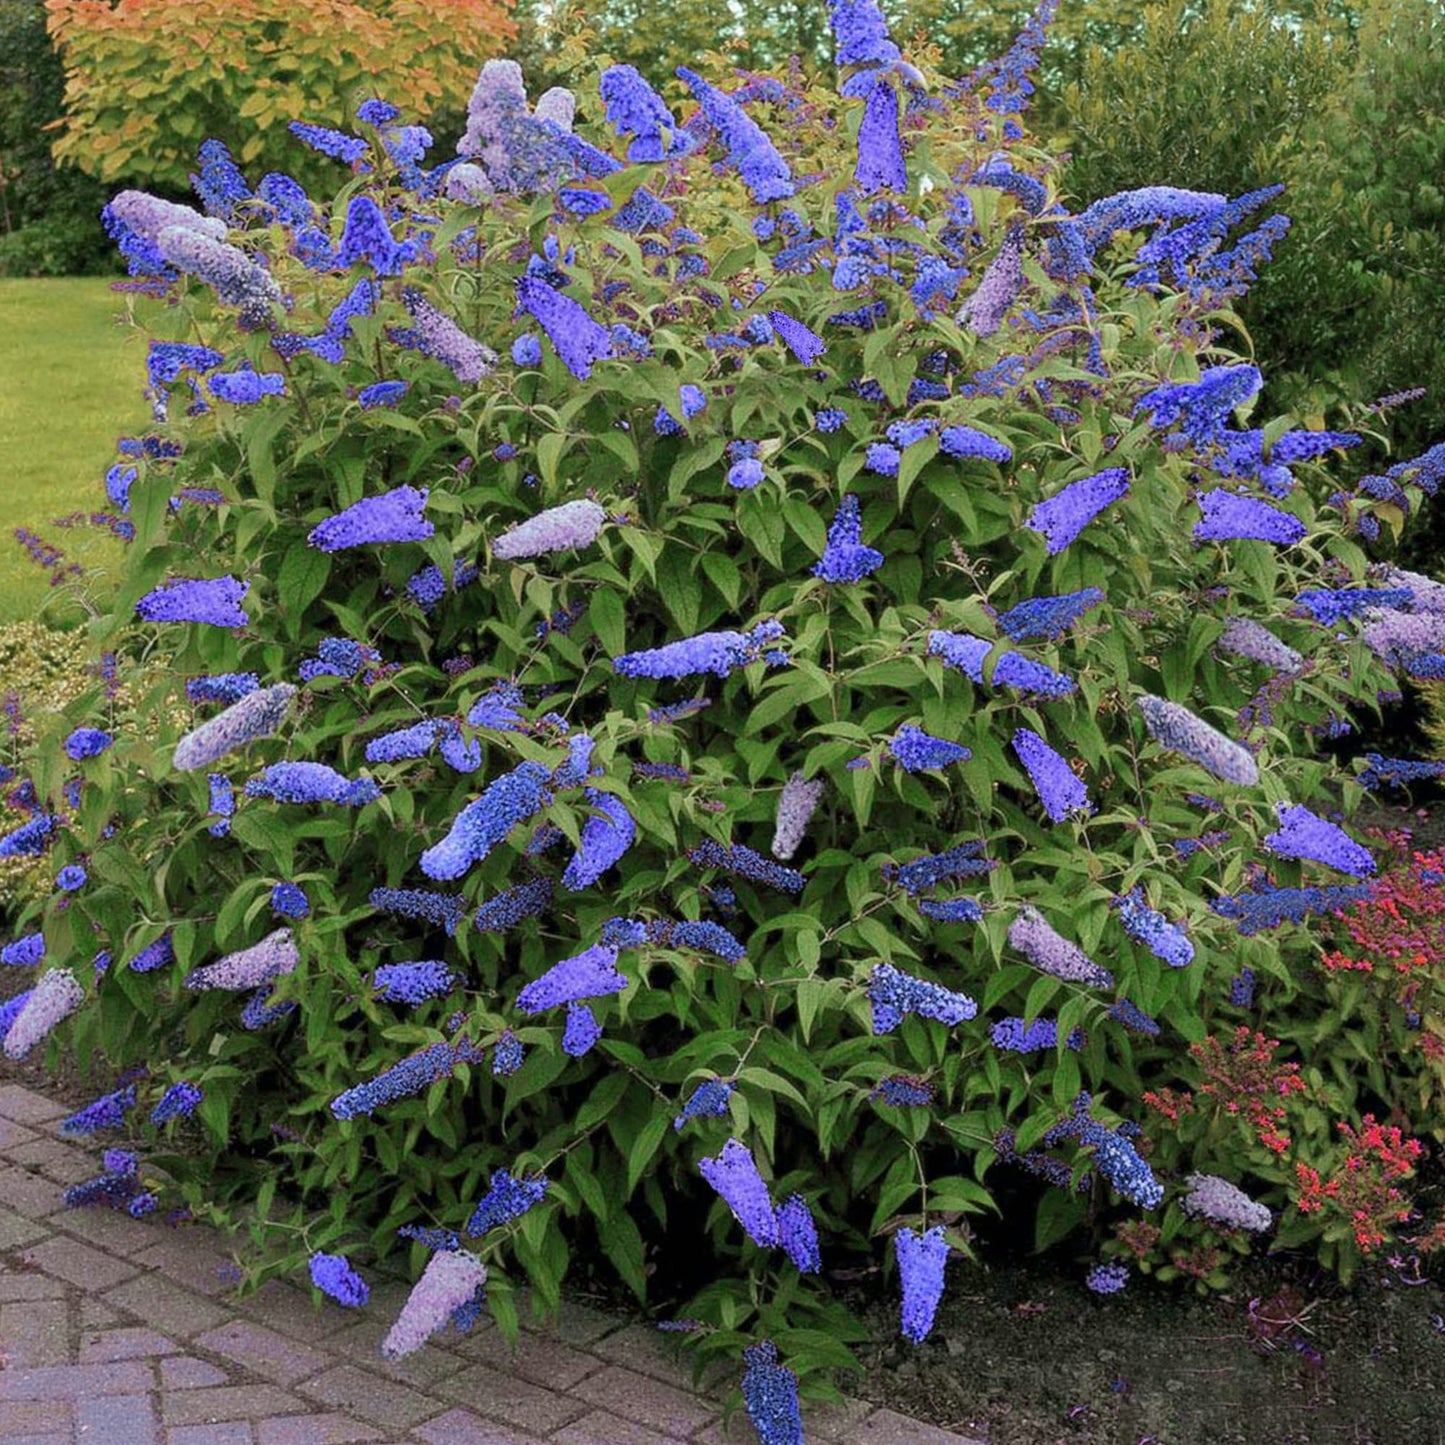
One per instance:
(606, 836)
(1221, 1202)
(50, 1002)
(1245, 637)
(440, 338)
(983, 313)
(559, 529)
(1176, 728)
(236, 279)
(1051, 953)
(715, 652)
(578, 338)
(796, 805)
(921, 1261)
(734, 1175)
(1059, 790)
(395, 516)
(450, 1283)
(801, 340)
(1303, 835)
(253, 967)
(257, 715)
(593, 973)
(1066, 514)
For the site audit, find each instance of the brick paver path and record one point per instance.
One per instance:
(116, 1331)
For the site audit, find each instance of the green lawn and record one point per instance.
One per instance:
(71, 376)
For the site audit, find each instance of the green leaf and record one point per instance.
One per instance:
(303, 574)
(622, 1244)
(605, 613)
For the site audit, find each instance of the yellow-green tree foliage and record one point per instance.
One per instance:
(148, 80)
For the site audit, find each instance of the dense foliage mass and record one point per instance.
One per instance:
(756, 684)
(147, 80)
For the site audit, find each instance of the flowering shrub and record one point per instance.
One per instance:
(504, 681)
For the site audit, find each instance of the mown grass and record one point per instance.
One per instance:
(71, 375)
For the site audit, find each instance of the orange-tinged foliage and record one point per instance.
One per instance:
(146, 80)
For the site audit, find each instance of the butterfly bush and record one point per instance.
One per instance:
(515, 451)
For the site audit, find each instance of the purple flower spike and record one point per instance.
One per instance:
(1176, 728)
(805, 344)
(1228, 515)
(715, 652)
(256, 715)
(311, 783)
(1059, 790)
(505, 1200)
(333, 1275)
(1107, 1278)
(560, 529)
(735, 1176)
(983, 313)
(880, 147)
(452, 1281)
(1303, 835)
(916, 751)
(756, 159)
(921, 1261)
(395, 516)
(798, 1234)
(1064, 516)
(483, 823)
(593, 973)
(86, 743)
(581, 1032)
(1221, 1202)
(215, 601)
(770, 1391)
(894, 993)
(1150, 927)
(606, 836)
(578, 338)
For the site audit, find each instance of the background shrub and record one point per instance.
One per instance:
(847, 431)
(148, 80)
(49, 218)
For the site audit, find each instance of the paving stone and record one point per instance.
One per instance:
(461, 1427)
(377, 1401)
(493, 1392)
(602, 1428)
(236, 1433)
(61, 1162)
(16, 1230)
(648, 1401)
(35, 1332)
(262, 1351)
(66, 1439)
(13, 1134)
(291, 1311)
(159, 1303)
(107, 1229)
(575, 1323)
(833, 1422)
(636, 1347)
(96, 1316)
(117, 1420)
(29, 1284)
(78, 1264)
(76, 1382)
(360, 1343)
(541, 1359)
(229, 1402)
(37, 1417)
(185, 1372)
(312, 1430)
(887, 1427)
(25, 1107)
(97, 1348)
(29, 1193)
(195, 1259)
